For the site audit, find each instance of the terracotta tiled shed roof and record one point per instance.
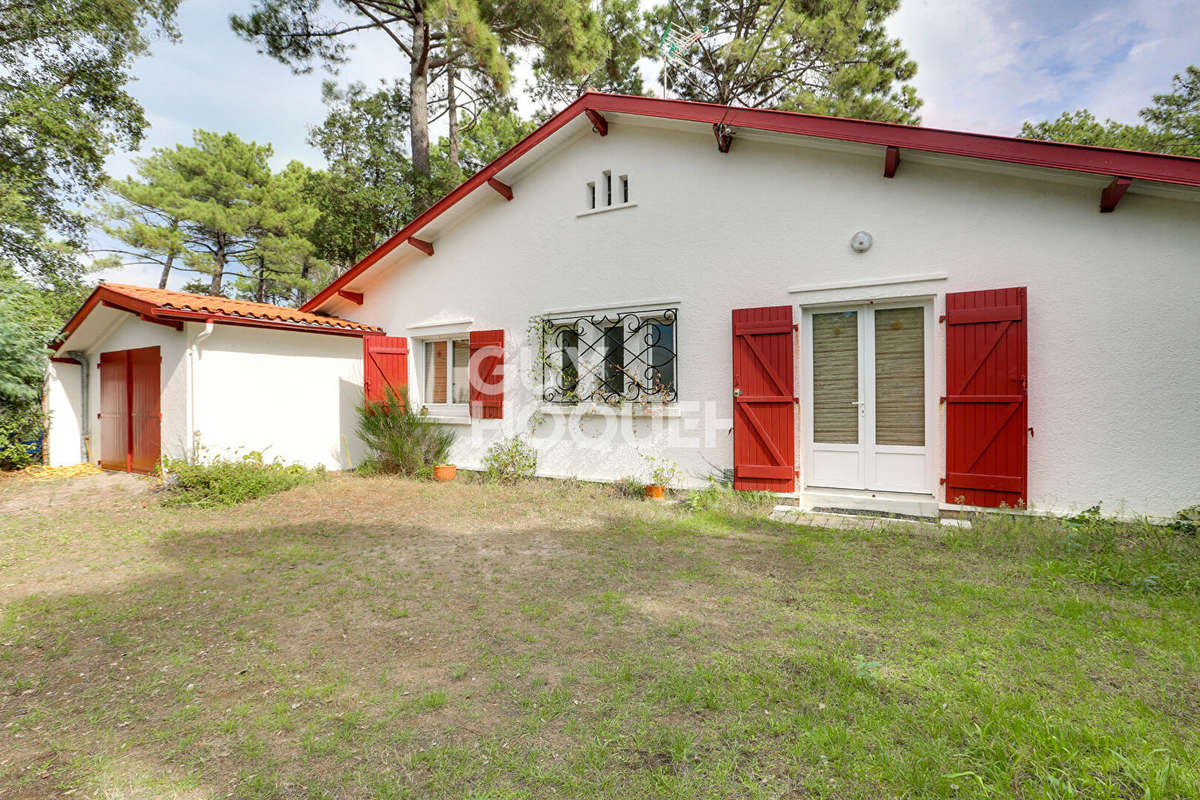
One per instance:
(204, 304)
(175, 308)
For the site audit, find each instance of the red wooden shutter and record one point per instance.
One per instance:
(986, 392)
(145, 418)
(487, 374)
(764, 447)
(114, 410)
(385, 366)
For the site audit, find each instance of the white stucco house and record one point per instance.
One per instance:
(863, 314)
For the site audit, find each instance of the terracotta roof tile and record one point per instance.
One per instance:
(204, 304)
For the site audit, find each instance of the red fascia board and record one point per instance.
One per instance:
(251, 322)
(1031, 152)
(480, 178)
(105, 295)
(1181, 170)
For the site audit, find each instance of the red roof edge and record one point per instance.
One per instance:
(1133, 164)
(104, 294)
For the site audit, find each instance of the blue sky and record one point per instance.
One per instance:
(984, 65)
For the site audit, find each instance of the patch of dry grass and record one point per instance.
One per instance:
(389, 638)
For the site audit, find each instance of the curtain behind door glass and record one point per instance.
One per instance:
(835, 377)
(900, 376)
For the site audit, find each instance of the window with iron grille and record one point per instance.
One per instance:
(611, 358)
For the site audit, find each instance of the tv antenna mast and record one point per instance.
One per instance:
(674, 45)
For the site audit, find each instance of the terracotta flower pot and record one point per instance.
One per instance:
(444, 472)
(654, 492)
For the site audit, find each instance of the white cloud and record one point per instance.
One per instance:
(990, 65)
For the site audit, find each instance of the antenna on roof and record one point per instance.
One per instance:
(674, 45)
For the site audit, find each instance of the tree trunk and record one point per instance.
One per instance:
(260, 294)
(214, 288)
(162, 281)
(418, 90)
(452, 115)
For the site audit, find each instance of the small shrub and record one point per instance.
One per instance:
(706, 499)
(21, 431)
(719, 496)
(1187, 520)
(662, 471)
(400, 440)
(630, 486)
(225, 482)
(510, 460)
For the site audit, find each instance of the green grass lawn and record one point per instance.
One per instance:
(393, 639)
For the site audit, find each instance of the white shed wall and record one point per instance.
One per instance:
(1113, 383)
(288, 394)
(64, 409)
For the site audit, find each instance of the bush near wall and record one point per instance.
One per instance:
(400, 440)
(22, 428)
(226, 482)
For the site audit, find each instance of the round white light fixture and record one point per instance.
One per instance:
(861, 242)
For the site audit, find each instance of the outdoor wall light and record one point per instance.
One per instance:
(861, 242)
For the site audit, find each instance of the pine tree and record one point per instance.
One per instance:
(819, 56)
(476, 36)
(217, 208)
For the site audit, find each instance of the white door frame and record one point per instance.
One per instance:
(867, 478)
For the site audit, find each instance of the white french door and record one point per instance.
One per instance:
(869, 410)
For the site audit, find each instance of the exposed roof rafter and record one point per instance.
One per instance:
(891, 161)
(1112, 194)
(1133, 165)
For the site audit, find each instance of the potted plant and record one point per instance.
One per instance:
(663, 473)
(444, 472)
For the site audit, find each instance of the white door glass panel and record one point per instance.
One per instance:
(868, 398)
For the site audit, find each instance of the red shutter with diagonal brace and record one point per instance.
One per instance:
(764, 414)
(986, 393)
(487, 374)
(385, 366)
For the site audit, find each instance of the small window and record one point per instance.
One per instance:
(607, 188)
(624, 188)
(591, 194)
(447, 372)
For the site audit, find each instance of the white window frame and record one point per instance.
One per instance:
(450, 408)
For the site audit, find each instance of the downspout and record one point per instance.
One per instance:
(85, 417)
(193, 356)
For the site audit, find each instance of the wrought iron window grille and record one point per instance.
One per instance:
(611, 358)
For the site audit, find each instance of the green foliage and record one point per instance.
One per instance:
(226, 482)
(1090, 547)
(400, 440)
(21, 424)
(661, 471)
(29, 317)
(366, 195)
(510, 460)
(721, 497)
(64, 65)
(217, 205)
(439, 39)
(831, 57)
(625, 41)
(1170, 125)
(630, 486)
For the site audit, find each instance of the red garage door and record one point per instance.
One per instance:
(130, 415)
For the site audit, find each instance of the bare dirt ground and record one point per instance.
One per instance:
(114, 490)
